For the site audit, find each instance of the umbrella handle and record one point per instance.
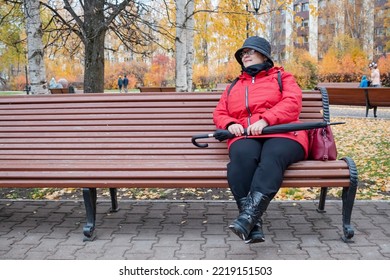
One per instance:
(200, 136)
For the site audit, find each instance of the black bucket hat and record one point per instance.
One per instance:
(257, 43)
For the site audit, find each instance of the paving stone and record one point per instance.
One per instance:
(291, 248)
(317, 252)
(214, 241)
(370, 254)
(217, 229)
(346, 256)
(18, 252)
(377, 234)
(155, 214)
(142, 246)
(191, 247)
(189, 256)
(189, 224)
(194, 234)
(310, 240)
(215, 253)
(385, 227)
(118, 240)
(65, 253)
(166, 253)
(145, 234)
(283, 235)
(215, 219)
(238, 247)
(170, 229)
(177, 208)
(166, 240)
(30, 239)
(114, 253)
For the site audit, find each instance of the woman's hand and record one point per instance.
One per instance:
(236, 129)
(257, 127)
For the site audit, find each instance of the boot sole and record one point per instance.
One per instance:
(256, 240)
(237, 230)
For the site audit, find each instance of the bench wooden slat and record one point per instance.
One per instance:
(150, 164)
(132, 183)
(151, 122)
(113, 157)
(156, 174)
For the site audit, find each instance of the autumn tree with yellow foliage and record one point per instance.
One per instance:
(345, 61)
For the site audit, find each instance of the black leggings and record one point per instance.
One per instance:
(259, 164)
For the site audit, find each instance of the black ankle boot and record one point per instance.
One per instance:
(256, 235)
(255, 205)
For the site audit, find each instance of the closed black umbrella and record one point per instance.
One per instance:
(221, 134)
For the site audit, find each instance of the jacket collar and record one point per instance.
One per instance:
(271, 71)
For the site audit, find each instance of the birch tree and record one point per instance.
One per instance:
(35, 54)
(184, 44)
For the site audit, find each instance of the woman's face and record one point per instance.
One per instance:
(251, 57)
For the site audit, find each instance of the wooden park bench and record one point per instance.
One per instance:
(220, 87)
(370, 97)
(91, 141)
(59, 90)
(157, 89)
(339, 85)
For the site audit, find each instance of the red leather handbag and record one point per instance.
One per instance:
(321, 144)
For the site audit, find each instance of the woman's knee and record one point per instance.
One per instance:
(245, 149)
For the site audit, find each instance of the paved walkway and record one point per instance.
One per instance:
(189, 230)
(358, 112)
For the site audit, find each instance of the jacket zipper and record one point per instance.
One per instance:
(247, 102)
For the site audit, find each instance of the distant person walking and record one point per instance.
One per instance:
(120, 84)
(364, 82)
(53, 83)
(375, 75)
(125, 83)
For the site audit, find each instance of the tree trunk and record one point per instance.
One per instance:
(37, 70)
(94, 64)
(184, 44)
(190, 43)
(95, 33)
(180, 45)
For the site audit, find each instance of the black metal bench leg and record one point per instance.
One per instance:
(90, 197)
(114, 200)
(321, 205)
(348, 197)
(375, 107)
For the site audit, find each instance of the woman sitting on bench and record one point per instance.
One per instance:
(257, 162)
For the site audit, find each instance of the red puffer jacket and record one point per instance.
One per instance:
(259, 97)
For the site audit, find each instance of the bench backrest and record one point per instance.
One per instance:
(347, 96)
(156, 125)
(59, 90)
(126, 140)
(341, 85)
(220, 87)
(379, 96)
(157, 89)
